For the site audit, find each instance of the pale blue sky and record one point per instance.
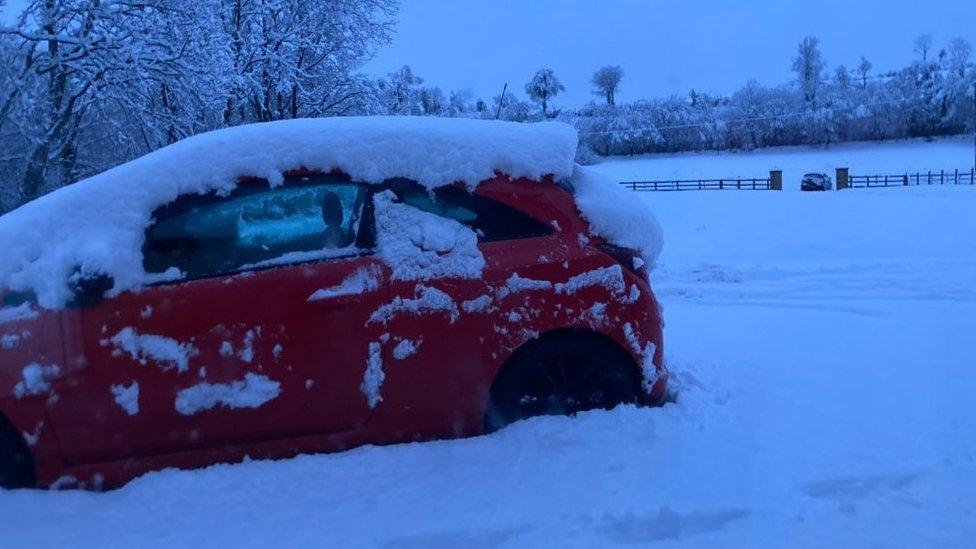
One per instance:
(665, 46)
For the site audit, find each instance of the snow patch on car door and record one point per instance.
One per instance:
(426, 300)
(611, 278)
(35, 380)
(166, 352)
(406, 348)
(374, 376)
(251, 392)
(127, 397)
(363, 280)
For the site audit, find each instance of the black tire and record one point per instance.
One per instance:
(561, 374)
(16, 463)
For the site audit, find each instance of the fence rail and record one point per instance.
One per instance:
(752, 184)
(954, 177)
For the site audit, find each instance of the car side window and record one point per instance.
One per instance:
(491, 220)
(255, 226)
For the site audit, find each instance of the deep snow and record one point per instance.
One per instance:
(823, 352)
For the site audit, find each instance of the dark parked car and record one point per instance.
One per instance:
(816, 182)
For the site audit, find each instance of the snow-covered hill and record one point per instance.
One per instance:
(892, 157)
(822, 346)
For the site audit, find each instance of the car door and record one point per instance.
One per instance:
(261, 336)
(440, 340)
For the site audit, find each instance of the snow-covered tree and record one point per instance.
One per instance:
(79, 61)
(960, 55)
(809, 67)
(510, 107)
(606, 82)
(295, 58)
(401, 90)
(433, 101)
(542, 88)
(85, 84)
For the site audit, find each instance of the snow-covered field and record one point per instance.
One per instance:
(823, 349)
(888, 158)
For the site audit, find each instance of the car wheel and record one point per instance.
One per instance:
(562, 375)
(16, 465)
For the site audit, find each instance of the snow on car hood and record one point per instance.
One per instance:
(97, 225)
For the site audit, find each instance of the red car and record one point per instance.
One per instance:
(289, 330)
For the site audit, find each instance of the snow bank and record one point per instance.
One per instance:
(615, 214)
(97, 225)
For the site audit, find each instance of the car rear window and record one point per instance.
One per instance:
(491, 220)
(209, 236)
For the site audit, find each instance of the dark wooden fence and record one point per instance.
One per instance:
(702, 185)
(954, 177)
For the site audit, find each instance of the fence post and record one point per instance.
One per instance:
(941, 177)
(905, 182)
(842, 178)
(956, 180)
(776, 180)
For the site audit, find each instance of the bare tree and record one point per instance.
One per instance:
(922, 46)
(606, 82)
(863, 69)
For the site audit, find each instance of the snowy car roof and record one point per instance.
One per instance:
(98, 224)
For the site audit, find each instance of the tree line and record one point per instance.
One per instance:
(88, 84)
